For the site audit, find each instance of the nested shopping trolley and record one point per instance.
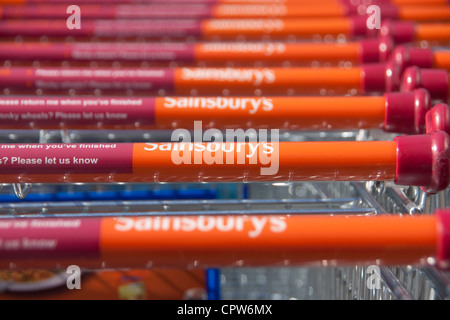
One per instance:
(286, 169)
(343, 270)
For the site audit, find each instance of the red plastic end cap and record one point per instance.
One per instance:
(407, 56)
(369, 51)
(373, 78)
(420, 57)
(385, 47)
(388, 11)
(438, 118)
(406, 111)
(443, 232)
(423, 160)
(393, 76)
(358, 28)
(351, 10)
(435, 81)
(399, 31)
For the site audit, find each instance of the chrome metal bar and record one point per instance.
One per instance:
(190, 213)
(440, 282)
(394, 284)
(368, 198)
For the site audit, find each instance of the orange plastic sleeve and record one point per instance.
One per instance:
(433, 31)
(276, 27)
(171, 112)
(441, 59)
(424, 13)
(199, 241)
(12, 1)
(286, 161)
(277, 51)
(271, 112)
(419, 2)
(305, 2)
(263, 239)
(301, 79)
(290, 10)
(198, 162)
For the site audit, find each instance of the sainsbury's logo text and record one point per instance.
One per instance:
(252, 226)
(254, 76)
(219, 103)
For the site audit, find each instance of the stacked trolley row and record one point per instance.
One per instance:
(336, 173)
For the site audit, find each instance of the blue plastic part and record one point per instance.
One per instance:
(71, 196)
(139, 194)
(8, 198)
(211, 194)
(103, 195)
(245, 191)
(163, 194)
(135, 195)
(194, 194)
(213, 284)
(35, 197)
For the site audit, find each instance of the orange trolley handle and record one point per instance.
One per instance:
(399, 112)
(132, 241)
(409, 31)
(368, 78)
(353, 27)
(427, 58)
(363, 51)
(411, 160)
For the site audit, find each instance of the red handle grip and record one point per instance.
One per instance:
(438, 118)
(423, 160)
(435, 81)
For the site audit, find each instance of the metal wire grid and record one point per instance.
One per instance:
(344, 283)
(318, 282)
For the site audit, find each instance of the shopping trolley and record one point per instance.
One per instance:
(269, 198)
(370, 194)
